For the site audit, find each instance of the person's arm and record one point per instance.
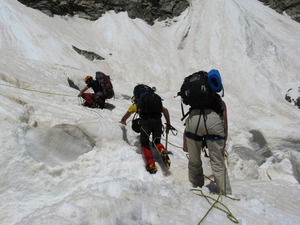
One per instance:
(225, 119)
(167, 117)
(132, 109)
(82, 91)
(185, 148)
(125, 117)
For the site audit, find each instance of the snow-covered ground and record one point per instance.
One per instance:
(61, 163)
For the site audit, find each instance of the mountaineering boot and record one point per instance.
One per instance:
(151, 168)
(164, 155)
(166, 158)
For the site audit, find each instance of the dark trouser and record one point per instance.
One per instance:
(150, 126)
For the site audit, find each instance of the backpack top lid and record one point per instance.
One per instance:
(100, 74)
(140, 88)
(149, 104)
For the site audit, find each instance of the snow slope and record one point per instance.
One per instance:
(62, 163)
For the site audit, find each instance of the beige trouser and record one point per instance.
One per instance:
(215, 126)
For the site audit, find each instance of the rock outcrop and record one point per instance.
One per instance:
(88, 54)
(148, 10)
(293, 96)
(290, 7)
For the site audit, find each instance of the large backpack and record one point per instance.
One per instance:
(105, 82)
(148, 102)
(199, 89)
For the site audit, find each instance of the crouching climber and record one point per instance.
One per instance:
(92, 100)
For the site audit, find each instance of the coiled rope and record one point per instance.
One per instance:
(225, 209)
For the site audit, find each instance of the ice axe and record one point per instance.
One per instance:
(174, 132)
(166, 145)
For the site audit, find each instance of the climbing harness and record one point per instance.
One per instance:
(204, 140)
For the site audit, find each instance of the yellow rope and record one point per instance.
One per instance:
(153, 140)
(177, 146)
(44, 92)
(230, 216)
(225, 209)
(80, 101)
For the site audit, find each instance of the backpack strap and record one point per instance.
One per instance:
(182, 111)
(139, 99)
(135, 116)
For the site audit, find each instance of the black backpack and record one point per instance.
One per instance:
(199, 90)
(195, 91)
(106, 85)
(148, 102)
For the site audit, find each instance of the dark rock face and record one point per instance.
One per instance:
(148, 10)
(290, 7)
(72, 84)
(295, 101)
(87, 54)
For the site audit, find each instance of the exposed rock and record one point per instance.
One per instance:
(87, 54)
(72, 84)
(290, 7)
(292, 96)
(148, 10)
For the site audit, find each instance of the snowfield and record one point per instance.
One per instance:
(64, 164)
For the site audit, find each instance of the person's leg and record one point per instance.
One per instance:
(216, 154)
(196, 176)
(89, 100)
(156, 128)
(144, 138)
(194, 123)
(99, 99)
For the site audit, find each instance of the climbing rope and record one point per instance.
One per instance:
(80, 100)
(209, 199)
(225, 209)
(44, 92)
(153, 139)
